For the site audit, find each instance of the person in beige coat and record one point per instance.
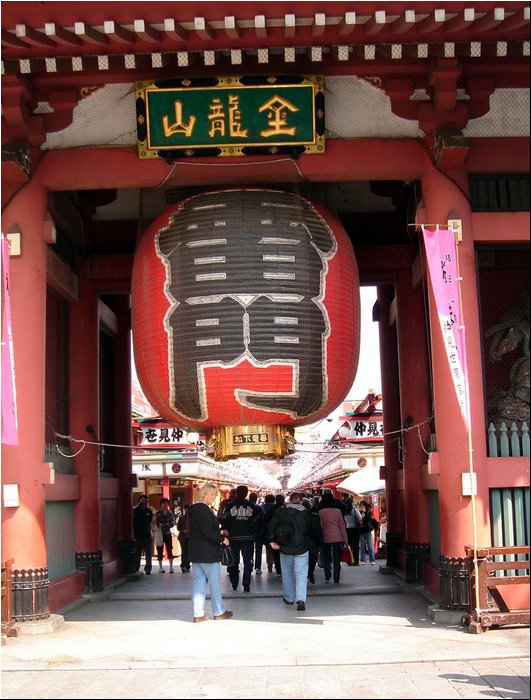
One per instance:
(334, 534)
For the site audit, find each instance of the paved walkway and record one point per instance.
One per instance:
(369, 636)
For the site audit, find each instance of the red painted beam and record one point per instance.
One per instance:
(120, 167)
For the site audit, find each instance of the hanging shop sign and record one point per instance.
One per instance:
(149, 436)
(245, 316)
(365, 429)
(230, 116)
(191, 469)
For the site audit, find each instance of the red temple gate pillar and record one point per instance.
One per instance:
(391, 415)
(23, 525)
(442, 198)
(123, 413)
(84, 348)
(415, 410)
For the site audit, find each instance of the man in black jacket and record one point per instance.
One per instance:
(239, 521)
(280, 501)
(294, 532)
(142, 526)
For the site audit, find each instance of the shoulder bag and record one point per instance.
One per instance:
(227, 556)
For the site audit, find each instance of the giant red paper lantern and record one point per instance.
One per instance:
(245, 317)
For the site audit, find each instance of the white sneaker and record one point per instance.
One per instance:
(362, 563)
(373, 563)
(258, 571)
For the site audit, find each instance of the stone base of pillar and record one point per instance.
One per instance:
(445, 617)
(52, 623)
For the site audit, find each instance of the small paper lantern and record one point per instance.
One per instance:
(245, 317)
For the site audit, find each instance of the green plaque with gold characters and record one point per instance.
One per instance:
(230, 116)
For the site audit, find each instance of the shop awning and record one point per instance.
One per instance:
(364, 481)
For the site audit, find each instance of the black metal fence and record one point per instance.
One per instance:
(417, 554)
(454, 581)
(392, 542)
(128, 556)
(91, 564)
(30, 594)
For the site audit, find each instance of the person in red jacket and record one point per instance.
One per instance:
(334, 534)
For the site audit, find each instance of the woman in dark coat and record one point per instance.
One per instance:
(204, 546)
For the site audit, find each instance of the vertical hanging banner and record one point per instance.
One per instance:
(441, 254)
(9, 396)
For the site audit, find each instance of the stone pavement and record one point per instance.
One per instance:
(369, 636)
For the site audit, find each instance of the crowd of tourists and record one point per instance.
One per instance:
(296, 533)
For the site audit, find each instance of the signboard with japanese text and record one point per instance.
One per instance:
(365, 429)
(150, 436)
(230, 116)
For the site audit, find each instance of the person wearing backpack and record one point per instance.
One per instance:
(292, 532)
(366, 537)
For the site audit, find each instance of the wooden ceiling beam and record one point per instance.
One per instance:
(461, 21)
(516, 21)
(319, 24)
(32, 36)
(489, 20)
(347, 24)
(10, 39)
(433, 22)
(118, 33)
(232, 28)
(61, 35)
(203, 29)
(89, 34)
(146, 31)
(174, 31)
(290, 26)
(260, 26)
(376, 23)
(404, 23)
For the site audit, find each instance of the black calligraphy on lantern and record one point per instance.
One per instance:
(245, 275)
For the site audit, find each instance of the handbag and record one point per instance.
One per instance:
(227, 556)
(158, 538)
(346, 555)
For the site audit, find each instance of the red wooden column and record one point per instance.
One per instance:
(23, 527)
(414, 401)
(391, 416)
(84, 349)
(123, 414)
(441, 197)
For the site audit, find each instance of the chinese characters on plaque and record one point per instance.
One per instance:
(230, 116)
